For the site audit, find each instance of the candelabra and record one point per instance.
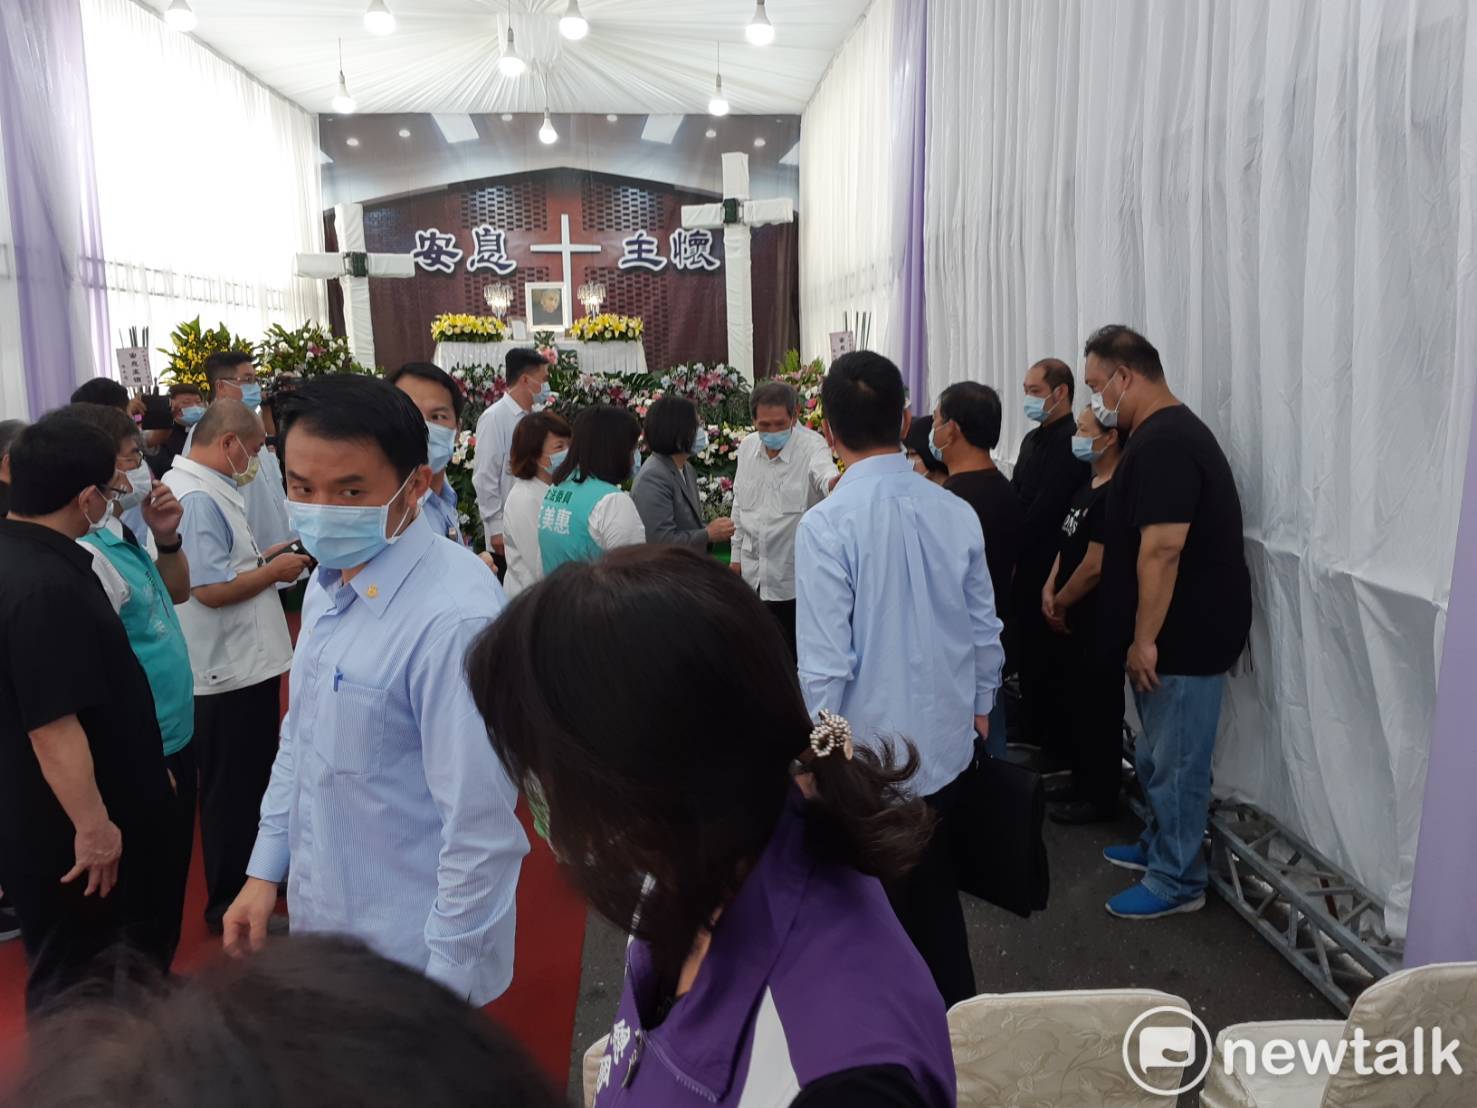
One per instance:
(499, 298)
(592, 295)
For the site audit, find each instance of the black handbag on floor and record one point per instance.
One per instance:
(995, 834)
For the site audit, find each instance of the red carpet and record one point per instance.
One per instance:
(537, 1010)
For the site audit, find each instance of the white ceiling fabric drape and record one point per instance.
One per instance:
(1280, 194)
(849, 259)
(207, 181)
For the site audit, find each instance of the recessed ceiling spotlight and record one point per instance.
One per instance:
(759, 143)
(611, 118)
(711, 133)
(404, 132)
(351, 141)
(507, 117)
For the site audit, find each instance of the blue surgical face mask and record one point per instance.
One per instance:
(934, 448)
(251, 395)
(1036, 408)
(775, 440)
(191, 415)
(440, 442)
(344, 537)
(1082, 449)
(700, 441)
(635, 462)
(556, 460)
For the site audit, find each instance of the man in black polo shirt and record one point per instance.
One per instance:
(1046, 477)
(1175, 604)
(84, 795)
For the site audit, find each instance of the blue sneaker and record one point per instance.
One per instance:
(1139, 903)
(1131, 856)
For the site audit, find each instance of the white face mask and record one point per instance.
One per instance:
(140, 484)
(94, 526)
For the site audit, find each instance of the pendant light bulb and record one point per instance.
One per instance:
(718, 105)
(343, 103)
(180, 16)
(510, 63)
(379, 19)
(572, 24)
(546, 134)
(760, 31)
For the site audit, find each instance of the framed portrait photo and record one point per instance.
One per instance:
(547, 305)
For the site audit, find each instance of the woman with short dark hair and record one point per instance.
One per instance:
(666, 491)
(540, 443)
(586, 513)
(743, 844)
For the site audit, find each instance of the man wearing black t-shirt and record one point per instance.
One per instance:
(1045, 478)
(966, 427)
(1175, 603)
(85, 802)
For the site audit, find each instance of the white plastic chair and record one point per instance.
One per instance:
(1058, 1049)
(1428, 997)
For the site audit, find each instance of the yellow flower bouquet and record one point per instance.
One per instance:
(460, 327)
(607, 328)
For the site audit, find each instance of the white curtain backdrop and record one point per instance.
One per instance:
(1281, 194)
(849, 261)
(207, 180)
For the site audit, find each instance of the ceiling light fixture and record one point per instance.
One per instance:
(379, 19)
(510, 63)
(611, 118)
(507, 117)
(351, 141)
(343, 103)
(573, 25)
(712, 133)
(760, 31)
(546, 134)
(404, 132)
(180, 16)
(718, 105)
(759, 143)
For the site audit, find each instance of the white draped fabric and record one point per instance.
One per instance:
(1281, 194)
(207, 180)
(594, 357)
(849, 261)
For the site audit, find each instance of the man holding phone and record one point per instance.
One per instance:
(238, 639)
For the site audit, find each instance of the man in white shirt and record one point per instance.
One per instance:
(784, 468)
(232, 376)
(528, 384)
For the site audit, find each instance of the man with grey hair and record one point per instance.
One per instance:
(783, 469)
(238, 639)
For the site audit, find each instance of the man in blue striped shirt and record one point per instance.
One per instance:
(386, 797)
(897, 631)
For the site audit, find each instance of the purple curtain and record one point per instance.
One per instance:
(53, 197)
(910, 129)
(1443, 903)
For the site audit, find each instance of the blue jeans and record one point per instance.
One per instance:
(1172, 760)
(995, 741)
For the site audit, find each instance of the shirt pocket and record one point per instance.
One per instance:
(794, 498)
(355, 724)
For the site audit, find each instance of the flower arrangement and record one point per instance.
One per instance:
(459, 473)
(191, 345)
(607, 328)
(482, 385)
(715, 491)
(721, 457)
(462, 327)
(308, 351)
(719, 391)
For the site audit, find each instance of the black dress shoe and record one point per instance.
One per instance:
(1061, 789)
(1076, 812)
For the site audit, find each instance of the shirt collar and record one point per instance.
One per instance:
(447, 495)
(879, 465)
(189, 465)
(704, 1034)
(53, 540)
(380, 579)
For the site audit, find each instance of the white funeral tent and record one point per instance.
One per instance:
(1280, 194)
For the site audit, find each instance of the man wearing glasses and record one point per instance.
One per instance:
(84, 795)
(232, 376)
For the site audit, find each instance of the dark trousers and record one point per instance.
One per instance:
(1095, 719)
(926, 902)
(784, 613)
(65, 934)
(235, 743)
(180, 842)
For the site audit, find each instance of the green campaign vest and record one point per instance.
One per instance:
(564, 522)
(156, 637)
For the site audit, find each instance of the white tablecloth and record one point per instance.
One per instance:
(594, 357)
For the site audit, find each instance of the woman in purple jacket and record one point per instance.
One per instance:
(650, 697)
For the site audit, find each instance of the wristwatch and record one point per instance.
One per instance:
(173, 548)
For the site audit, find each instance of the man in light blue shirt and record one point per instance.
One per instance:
(896, 629)
(386, 796)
